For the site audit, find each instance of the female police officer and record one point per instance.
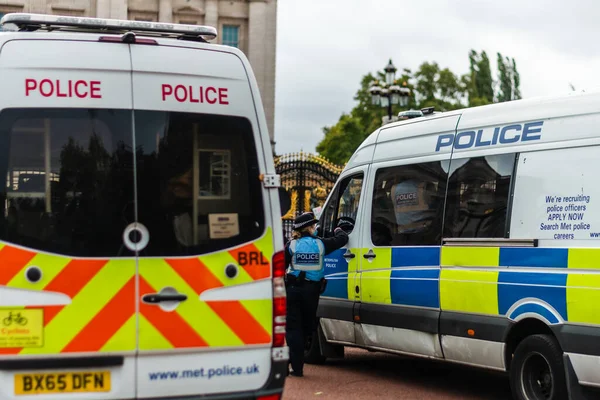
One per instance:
(304, 256)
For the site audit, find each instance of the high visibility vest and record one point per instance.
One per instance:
(307, 254)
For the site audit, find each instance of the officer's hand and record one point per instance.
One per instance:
(346, 224)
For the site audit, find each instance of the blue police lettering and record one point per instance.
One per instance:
(501, 135)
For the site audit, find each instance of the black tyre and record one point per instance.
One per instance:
(312, 351)
(537, 370)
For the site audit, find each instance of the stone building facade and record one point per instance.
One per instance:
(250, 25)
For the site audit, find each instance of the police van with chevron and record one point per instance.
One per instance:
(476, 241)
(141, 254)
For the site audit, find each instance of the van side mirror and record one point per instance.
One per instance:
(285, 202)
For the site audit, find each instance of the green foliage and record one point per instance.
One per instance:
(430, 86)
(509, 79)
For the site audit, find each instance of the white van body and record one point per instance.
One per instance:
(476, 232)
(108, 134)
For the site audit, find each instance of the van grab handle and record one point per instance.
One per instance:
(158, 297)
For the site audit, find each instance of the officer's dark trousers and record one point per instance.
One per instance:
(302, 302)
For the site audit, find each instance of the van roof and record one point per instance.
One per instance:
(25, 22)
(541, 107)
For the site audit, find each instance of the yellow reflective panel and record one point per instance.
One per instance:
(469, 290)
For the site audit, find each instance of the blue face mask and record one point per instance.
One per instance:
(314, 234)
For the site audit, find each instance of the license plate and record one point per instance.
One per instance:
(62, 382)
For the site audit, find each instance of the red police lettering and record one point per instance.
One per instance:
(57, 88)
(199, 94)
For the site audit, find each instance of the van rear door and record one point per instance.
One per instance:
(67, 283)
(205, 290)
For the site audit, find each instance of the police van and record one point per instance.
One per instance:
(477, 241)
(141, 253)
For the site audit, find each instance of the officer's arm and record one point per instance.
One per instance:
(288, 256)
(339, 240)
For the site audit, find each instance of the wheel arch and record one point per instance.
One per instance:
(531, 325)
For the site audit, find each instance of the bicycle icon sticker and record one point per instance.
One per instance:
(14, 318)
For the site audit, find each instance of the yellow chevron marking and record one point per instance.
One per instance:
(88, 302)
(124, 338)
(150, 337)
(50, 266)
(261, 311)
(196, 313)
(265, 244)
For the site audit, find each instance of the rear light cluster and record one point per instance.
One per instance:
(270, 397)
(279, 299)
(117, 39)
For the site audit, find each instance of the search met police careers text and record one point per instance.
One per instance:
(500, 135)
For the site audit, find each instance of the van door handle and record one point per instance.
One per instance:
(158, 297)
(349, 254)
(369, 254)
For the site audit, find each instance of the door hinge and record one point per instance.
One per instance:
(271, 181)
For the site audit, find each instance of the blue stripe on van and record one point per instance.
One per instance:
(533, 257)
(415, 256)
(337, 286)
(415, 287)
(336, 273)
(549, 287)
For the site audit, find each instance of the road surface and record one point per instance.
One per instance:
(373, 375)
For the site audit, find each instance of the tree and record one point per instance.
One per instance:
(508, 79)
(430, 86)
(480, 85)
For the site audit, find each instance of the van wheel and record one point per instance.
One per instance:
(537, 370)
(312, 351)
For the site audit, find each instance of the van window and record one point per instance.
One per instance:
(408, 203)
(198, 182)
(343, 203)
(478, 193)
(66, 179)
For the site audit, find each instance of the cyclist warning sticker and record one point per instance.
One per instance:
(21, 328)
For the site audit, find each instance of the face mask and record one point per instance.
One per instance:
(314, 234)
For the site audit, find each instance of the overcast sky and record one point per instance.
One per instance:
(324, 47)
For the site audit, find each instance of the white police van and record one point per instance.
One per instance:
(477, 241)
(141, 253)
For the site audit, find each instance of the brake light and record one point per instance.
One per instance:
(279, 264)
(270, 397)
(279, 299)
(118, 39)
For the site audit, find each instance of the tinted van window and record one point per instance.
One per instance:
(408, 204)
(198, 182)
(478, 197)
(66, 179)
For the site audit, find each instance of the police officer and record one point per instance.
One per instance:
(304, 256)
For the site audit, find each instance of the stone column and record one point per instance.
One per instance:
(165, 11)
(262, 40)
(103, 9)
(118, 9)
(211, 16)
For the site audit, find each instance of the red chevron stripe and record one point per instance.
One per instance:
(170, 324)
(12, 260)
(10, 351)
(195, 273)
(253, 261)
(107, 322)
(241, 322)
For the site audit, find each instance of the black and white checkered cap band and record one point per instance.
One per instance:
(305, 223)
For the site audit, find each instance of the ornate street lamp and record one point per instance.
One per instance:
(389, 93)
